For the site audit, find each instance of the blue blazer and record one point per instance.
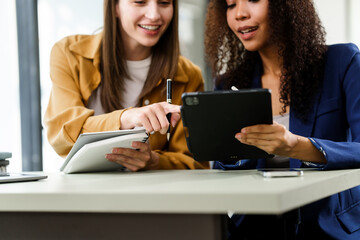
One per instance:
(333, 126)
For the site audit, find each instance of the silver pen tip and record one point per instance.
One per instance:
(168, 136)
(234, 88)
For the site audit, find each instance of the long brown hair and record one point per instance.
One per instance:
(165, 55)
(297, 31)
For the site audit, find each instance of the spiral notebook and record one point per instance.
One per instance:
(88, 152)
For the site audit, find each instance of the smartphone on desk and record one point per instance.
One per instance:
(280, 172)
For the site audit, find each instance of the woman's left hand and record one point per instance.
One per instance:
(140, 158)
(273, 139)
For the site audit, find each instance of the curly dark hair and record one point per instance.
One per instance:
(295, 28)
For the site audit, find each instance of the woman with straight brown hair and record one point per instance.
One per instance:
(117, 80)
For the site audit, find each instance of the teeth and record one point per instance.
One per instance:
(249, 30)
(151, 28)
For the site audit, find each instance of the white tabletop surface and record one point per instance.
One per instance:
(174, 191)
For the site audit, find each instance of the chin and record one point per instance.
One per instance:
(251, 47)
(150, 43)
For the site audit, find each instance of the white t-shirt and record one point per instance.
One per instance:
(138, 71)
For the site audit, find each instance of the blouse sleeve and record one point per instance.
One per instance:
(66, 115)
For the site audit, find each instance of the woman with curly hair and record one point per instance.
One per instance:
(280, 45)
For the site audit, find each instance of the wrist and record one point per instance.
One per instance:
(154, 161)
(299, 146)
(125, 121)
(304, 150)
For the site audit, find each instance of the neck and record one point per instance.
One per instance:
(134, 51)
(137, 53)
(272, 62)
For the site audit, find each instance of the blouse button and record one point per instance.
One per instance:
(146, 102)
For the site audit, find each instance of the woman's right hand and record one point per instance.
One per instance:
(151, 117)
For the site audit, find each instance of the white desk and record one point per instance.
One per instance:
(158, 204)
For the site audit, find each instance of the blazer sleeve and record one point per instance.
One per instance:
(341, 155)
(66, 115)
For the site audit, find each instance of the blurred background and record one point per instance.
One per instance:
(57, 19)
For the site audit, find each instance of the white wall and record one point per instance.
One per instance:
(340, 19)
(9, 86)
(58, 19)
(355, 22)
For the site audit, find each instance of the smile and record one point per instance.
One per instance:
(149, 27)
(248, 30)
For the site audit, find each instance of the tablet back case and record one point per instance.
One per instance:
(211, 120)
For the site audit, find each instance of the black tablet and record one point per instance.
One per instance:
(211, 120)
